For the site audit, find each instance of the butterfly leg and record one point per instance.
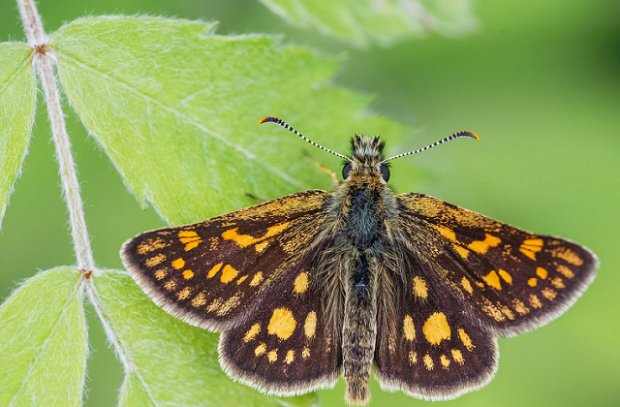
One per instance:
(255, 198)
(322, 168)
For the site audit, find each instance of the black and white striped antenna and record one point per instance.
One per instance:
(287, 127)
(460, 134)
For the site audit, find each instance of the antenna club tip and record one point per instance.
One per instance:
(268, 119)
(470, 134)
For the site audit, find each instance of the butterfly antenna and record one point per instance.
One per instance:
(287, 127)
(460, 134)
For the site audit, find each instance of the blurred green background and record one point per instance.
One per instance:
(539, 81)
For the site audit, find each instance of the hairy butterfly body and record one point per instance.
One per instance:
(318, 284)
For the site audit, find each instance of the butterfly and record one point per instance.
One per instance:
(319, 284)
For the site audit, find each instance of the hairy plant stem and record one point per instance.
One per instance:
(42, 61)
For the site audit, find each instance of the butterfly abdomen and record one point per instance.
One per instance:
(360, 324)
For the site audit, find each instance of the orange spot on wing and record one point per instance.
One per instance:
(214, 270)
(505, 276)
(260, 349)
(170, 285)
(541, 272)
(530, 247)
(445, 362)
(282, 323)
(256, 280)
(436, 328)
(247, 240)
(199, 300)
(310, 325)
(568, 255)
(178, 263)
(413, 357)
(184, 293)
(252, 332)
(228, 274)
(290, 357)
(446, 232)
(535, 301)
(301, 283)
(492, 279)
(467, 285)
(482, 246)
(190, 239)
(549, 294)
(558, 283)
(428, 362)
(155, 260)
(419, 287)
(457, 355)
(409, 328)
(463, 252)
(466, 340)
(261, 246)
(565, 271)
(520, 307)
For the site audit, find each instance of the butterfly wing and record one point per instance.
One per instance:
(215, 273)
(290, 344)
(466, 279)
(513, 281)
(426, 345)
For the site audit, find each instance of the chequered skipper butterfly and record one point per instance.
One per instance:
(318, 284)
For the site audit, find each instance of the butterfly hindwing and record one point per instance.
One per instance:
(288, 346)
(426, 345)
(513, 280)
(212, 274)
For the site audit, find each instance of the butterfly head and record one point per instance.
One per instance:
(367, 159)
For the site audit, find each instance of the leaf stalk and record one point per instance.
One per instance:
(43, 63)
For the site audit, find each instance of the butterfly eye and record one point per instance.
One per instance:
(346, 170)
(385, 172)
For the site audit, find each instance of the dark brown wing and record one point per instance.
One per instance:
(512, 280)
(427, 345)
(214, 274)
(290, 344)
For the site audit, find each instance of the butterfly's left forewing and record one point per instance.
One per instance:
(214, 274)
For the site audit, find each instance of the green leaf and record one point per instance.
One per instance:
(168, 362)
(176, 108)
(362, 22)
(17, 100)
(43, 341)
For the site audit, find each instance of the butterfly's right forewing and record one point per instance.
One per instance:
(513, 280)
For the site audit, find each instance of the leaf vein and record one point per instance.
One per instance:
(15, 75)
